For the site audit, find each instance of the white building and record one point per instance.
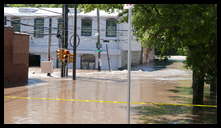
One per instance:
(32, 20)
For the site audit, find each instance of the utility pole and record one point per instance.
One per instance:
(66, 35)
(129, 7)
(49, 44)
(108, 57)
(129, 61)
(98, 40)
(64, 70)
(62, 40)
(75, 42)
(59, 45)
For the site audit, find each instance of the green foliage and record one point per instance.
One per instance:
(182, 51)
(106, 7)
(189, 28)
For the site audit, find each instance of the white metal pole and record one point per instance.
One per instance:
(129, 60)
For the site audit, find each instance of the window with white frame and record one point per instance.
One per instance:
(111, 28)
(86, 27)
(15, 23)
(39, 27)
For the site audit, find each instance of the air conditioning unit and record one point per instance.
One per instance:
(46, 66)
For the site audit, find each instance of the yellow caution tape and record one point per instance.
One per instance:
(100, 101)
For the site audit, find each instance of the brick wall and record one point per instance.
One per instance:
(16, 49)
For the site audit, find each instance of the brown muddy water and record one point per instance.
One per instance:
(166, 85)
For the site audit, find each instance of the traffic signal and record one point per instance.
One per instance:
(66, 52)
(70, 58)
(64, 55)
(59, 54)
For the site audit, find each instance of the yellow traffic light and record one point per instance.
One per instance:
(59, 54)
(66, 52)
(70, 58)
(64, 55)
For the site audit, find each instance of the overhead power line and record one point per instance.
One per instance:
(61, 22)
(46, 28)
(26, 24)
(50, 11)
(15, 19)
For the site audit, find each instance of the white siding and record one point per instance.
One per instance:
(117, 44)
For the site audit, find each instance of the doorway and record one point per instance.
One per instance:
(87, 61)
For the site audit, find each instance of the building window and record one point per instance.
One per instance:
(15, 23)
(111, 28)
(86, 27)
(87, 61)
(39, 27)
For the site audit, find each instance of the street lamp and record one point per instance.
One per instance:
(129, 7)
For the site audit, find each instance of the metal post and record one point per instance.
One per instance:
(129, 61)
(60, 46)
(62, 39)
(108, 59)
(98, 40)
(64, 71)
(49, 44)
(75, 42)
(66, 36)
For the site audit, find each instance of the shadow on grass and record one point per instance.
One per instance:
(182, 90)
(168, 114)
(181, 99)
(205, 115)
(162, 114)
(187, 91)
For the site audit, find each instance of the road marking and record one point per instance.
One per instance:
(100, 101)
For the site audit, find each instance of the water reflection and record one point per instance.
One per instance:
(46, 111)
(105, 86)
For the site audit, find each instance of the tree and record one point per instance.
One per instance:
(191, 27)
(106, 7)
(83, 7)
(181, 27)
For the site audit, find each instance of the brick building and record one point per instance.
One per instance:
(16, 49)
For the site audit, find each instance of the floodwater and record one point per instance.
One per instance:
(160, 86)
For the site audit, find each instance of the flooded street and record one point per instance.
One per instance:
(166, 85)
